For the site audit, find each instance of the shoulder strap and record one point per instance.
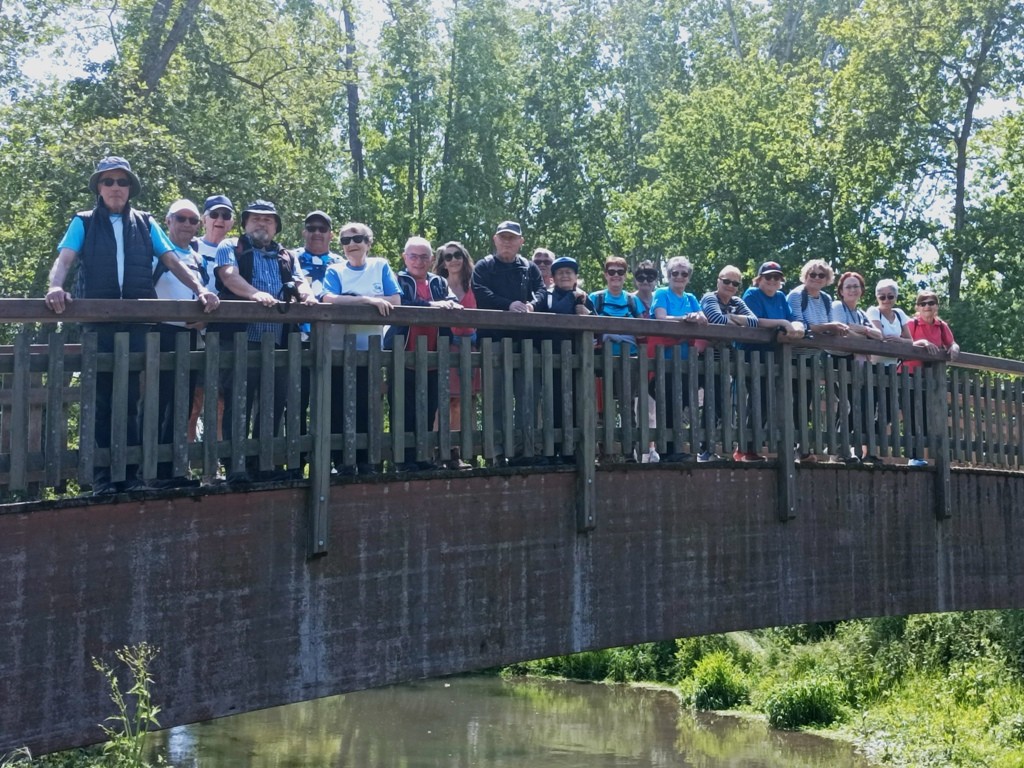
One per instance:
(631, 304)
(599, 303)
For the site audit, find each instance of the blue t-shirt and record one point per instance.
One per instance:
(675, 306)
(617, 306)
(767, 307)
(314, 267)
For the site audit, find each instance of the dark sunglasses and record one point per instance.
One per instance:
(543, 262)
(186, 219)
(219, 214)
(318, 228)
(108, 182)
(772, 277)
(346, 239)
(733, 283)
(817, 275)
(453, 256)
(679, 273)
(886, 297)
(930, 303)
(645, 277)
(615, 272)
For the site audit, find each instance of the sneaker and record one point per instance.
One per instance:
(747, 457)
(917, 463)
(872, 459)
(652, 456)
(706, 457)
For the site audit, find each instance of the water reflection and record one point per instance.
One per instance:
(481, 722)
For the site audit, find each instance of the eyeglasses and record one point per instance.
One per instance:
(317, 228)
(853, 287)
(733, 283)
(886, 297)
(418, 256)
(543, 262)
(186, 219)
(346, 239)
(817, 275)
(219, 214)
(645, 277)
(930, 303)
(615, 272)
(772, 278)
(679, 273)
(109, 182)
(453, 256)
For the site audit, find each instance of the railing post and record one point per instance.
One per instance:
(586, 506)
(938, 430)
(786, 471)
(318, 503)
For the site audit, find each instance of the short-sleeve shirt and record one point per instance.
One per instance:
(374, 279)
(617, 306)
(890, 330)
(266, 276)
(774, 307)
(74, 238)
(675, 306)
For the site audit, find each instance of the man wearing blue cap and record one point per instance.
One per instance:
(115, 247)
(218, 219)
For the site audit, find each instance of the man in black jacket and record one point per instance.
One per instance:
(507, 281)
(115, 246)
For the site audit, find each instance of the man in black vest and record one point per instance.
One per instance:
(256, 268)
(116, 248)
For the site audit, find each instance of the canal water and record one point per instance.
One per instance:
(487, 722)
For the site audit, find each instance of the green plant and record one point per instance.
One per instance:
(811, 701)
(718, 683)
(136, 713)
(16, 759)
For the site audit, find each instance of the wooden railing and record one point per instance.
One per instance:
(771, 402)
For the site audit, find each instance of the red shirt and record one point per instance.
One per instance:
(938, 333)
(429, 331)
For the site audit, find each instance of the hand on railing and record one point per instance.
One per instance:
(56, 299)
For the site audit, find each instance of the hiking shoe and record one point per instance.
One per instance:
(808, 458)
(872, 459)
(747, 457)
(917, 463)
(706, 457)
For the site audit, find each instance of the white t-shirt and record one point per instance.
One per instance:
(890, 330)
(374, 279)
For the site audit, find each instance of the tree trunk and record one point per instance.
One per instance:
(355, 143)
(157, 56)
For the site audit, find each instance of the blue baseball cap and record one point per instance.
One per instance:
(565, 261)
(217, 201)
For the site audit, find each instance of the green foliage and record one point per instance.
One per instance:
(588, 665)
(717, 683)
(648, 661)
(136, 713)
(806, 702)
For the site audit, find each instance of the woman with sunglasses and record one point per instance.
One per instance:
(934, 335)
(887, 317)
(674, 302)
(645, 278)
(812, 307)
(851, 290)
(360, 279)
(892, 322)
(454, 263)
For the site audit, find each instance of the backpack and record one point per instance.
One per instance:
(825, 298)
(198, 266)
(244, 257)
(631, 304)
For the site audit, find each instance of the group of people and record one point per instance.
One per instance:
(123, 253)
